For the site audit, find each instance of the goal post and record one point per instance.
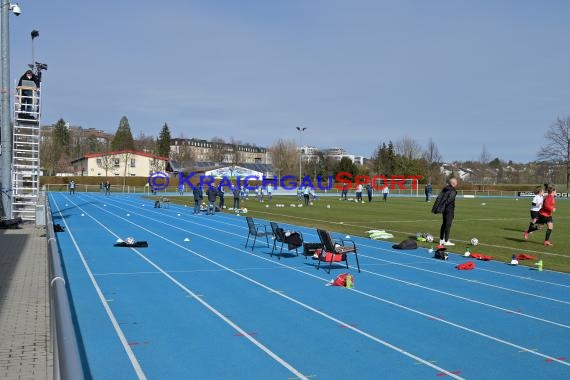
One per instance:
(405, 187)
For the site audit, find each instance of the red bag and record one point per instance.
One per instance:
(344, 279)
(329, 256)
(524, 256)
(466, 266)
(482, 257)
(340, 280)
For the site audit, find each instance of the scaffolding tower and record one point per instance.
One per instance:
(26, 151)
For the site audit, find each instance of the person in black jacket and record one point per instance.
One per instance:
(198, 195)
(221, 196)
(26, 100)
(237, 194)
(445, 204)
(211, 193)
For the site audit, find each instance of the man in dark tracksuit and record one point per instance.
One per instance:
(445, 204)
(198, 195)
(211, 193)
(237, 193)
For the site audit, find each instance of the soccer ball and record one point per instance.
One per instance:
(429, 238)
(130, 240)
(474, 241)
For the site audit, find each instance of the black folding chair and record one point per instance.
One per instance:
(279, 237)
(338, 250)
(256, 230)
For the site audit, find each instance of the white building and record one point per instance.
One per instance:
(119, 163)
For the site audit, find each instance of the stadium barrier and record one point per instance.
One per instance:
(67, 362)
(173, 190)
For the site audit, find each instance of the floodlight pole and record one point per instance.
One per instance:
(300, 129)
(6, 136)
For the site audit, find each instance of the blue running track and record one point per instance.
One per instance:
(208, 308)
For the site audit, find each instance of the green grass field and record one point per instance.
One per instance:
(497, 223)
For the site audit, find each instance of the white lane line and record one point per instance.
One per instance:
(132, 358)
(499, 340)
(396, 263)
(196, 296)
(464, 279)
(468, 299)
(181, 271)
(413, 267)
(411, 233)
(279, 293)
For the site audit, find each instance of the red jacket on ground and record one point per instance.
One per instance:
(548, 205)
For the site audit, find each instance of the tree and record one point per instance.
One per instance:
(125, 159)
(485, 156)
(49, 155)
(408, 155)
(61, 134)
(217, 152)
(155, 165)
(54, 146)
(384, 159)
(185, 155)
(144, 143)
(234, 152)
(557, 148)
(432, 159)
(285, 157)
(496, 163)
(163, 143)
(346, 165)
(123, 139)
(106, 163)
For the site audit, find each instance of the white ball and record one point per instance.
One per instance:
(474, 241)
(328, 206)
(130, 240)
(429, 238)
(266, 205)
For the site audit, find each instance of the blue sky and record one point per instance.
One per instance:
(355, 73)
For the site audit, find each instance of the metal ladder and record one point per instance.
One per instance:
(26, 152)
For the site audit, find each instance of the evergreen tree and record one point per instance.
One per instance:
(163, 146)
(61, 136)
(123, 139)
(346, 165)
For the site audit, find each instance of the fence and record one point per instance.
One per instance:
(66, 357)
(97, 189)
(332, 192)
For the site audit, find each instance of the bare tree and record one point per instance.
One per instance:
(485, 156)
(234, 152)
(125, 159)
(49, 155)
(106, 162)
(155, 165)
(408, 148)
(144, 143)
(285, 157)
(185, 155)
(218, 150)
(557, 148)
(408, 154)
(432, 159)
